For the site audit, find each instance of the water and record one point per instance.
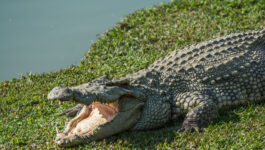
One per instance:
(43, 36)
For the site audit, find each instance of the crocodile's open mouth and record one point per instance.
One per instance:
(90, 118)
(99, 120)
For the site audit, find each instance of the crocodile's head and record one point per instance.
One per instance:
(107, 111)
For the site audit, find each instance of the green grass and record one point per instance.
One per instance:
(28, 119)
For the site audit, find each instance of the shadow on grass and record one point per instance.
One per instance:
(229, 114)
(152, 139)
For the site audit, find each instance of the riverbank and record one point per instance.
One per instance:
(28, 119)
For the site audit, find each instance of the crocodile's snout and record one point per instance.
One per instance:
(61, 93)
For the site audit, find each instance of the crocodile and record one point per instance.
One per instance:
(194, 83)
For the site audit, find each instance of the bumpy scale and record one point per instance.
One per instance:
(195, 82)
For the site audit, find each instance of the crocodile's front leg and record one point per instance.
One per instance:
(202, 111)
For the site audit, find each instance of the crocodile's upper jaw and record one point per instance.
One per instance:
(98, 121)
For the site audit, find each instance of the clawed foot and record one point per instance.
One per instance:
(71, 112)
(194, 126)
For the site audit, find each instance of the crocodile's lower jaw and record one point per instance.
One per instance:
(87, 121)
(98, 121)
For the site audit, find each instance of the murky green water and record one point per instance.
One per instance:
(46, 35)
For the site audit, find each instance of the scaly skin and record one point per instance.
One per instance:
(195, 82)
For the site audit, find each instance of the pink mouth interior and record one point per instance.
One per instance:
(90, 118)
